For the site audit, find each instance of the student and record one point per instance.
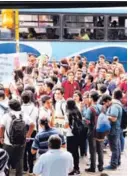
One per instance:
(73, 138)
(29, 109)
(15, 145)
(54, 162)
(40, 143)
(94, 145)
(70, 85)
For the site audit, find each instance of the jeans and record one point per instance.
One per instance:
(72, 147)
(115, 147)
(122, 141)
(95, 146)
(82, 146)
(16, 154)
(28, 156)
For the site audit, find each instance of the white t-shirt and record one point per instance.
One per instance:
(54, 163)
(43, 112)
(60, 108)
(6, 121)
(32, 111)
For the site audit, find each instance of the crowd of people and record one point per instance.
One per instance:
(49, 106)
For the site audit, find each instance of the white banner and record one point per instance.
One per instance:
(9, 62)
(6, 68)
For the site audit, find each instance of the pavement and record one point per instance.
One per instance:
(121, 171)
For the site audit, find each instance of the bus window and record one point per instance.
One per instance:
(117, 28)
(6, 33)
(40, 26)
(83, 27)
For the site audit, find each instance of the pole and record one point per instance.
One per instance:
(17, 30)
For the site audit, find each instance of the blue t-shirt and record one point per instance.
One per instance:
(41, 140)
(90, 115)
(115, 110)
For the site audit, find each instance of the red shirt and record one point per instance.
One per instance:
(69, 88)
(87, 88)
(123, 86)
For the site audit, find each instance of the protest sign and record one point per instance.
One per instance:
(6, 68)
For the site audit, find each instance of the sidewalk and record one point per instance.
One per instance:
(121, 171)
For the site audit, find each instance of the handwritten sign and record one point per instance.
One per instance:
(6, 69)
(59, 124)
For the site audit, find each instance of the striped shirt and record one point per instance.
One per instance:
(41, 140)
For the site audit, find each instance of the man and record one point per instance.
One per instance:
(118, 64)
(88, 83)
(101, 63)
(79, 78)
(114, 112)
(94, 145)
(31, 110)
(70, 85)
(111, 85)
(64, 67)
(40, 143)
(46, 108)
(54, 162)
(91, 69)
(60, 109)
(16, 152)
(48, 88)
(101, 76)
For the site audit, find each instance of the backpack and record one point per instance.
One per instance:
(101, 125)
(123, 123)
(17, 131)
(124, 119)
(78, 127)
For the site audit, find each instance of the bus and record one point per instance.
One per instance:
(64, 33)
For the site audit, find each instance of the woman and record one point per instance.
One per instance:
(78, 99)
(117, 74)
(85, 105)
(40, 143)
(74, 137)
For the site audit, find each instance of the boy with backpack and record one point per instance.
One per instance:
(94, 145)
(13, 134)
(32, 111)
(115, 115)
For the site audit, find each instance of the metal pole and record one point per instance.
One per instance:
(17, 30)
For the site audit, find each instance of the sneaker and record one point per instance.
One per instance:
(110, 168)
(101, 169)
(89, 170)
(72, 173)
(77, 172)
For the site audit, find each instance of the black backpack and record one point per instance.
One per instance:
(123, 123)
(124, 119)
(17, 131)
(78, 127)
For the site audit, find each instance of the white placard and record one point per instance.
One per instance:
(6, 68)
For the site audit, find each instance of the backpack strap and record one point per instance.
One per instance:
(95, 115)
(61, 107)
(4, 108)
(31, 111)
(12, 117)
